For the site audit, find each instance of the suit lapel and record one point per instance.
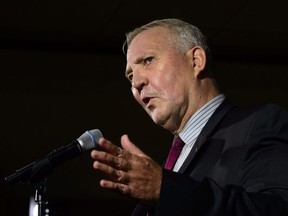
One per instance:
(208, 128)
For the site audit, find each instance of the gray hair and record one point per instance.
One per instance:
(183, 34)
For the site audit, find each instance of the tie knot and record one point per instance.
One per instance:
(177, 143)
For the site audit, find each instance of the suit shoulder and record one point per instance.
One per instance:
(265, 107)
(271, 108)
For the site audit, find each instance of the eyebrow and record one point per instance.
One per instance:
(140, 59)
(136, 61)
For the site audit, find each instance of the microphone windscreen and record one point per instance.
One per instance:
(89, 139)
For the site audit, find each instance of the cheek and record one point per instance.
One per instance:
(176, 91)
(170, 85)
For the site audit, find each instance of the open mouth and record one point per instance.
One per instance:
(146, 100)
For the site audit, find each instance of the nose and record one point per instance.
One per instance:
(139, 80)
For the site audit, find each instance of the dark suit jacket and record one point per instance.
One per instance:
(238, 166)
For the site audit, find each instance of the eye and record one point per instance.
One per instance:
(148, 60)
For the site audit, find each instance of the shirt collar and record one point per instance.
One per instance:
(198, 120)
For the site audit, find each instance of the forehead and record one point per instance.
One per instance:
(149, 40)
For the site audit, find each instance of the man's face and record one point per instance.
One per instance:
(162, 78)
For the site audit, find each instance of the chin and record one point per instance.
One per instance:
(165, 121)
(158, 119)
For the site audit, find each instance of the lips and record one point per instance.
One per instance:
(145, 100)
(147, 97)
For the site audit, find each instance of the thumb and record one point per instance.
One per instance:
(130, 146)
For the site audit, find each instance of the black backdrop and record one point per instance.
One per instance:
(62, 73)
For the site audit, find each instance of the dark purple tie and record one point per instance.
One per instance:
(174, 153)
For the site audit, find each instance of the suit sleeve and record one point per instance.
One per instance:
(263, 177)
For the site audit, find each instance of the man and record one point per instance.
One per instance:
(234, 161)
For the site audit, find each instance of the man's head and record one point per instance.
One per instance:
(167, 66)
(182, 34)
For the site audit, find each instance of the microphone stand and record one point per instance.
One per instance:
(41, 197)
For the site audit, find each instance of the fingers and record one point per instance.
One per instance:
(112, 161)
(128, 170)
(109, 160)
(107, 163)
(108, 147)
(117, 187)
(113, 174)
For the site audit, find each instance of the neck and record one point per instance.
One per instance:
(206, 93)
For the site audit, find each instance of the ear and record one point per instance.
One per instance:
(198, 60)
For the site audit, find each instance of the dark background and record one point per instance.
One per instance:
(62, 73)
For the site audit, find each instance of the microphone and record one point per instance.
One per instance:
(38, 170)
